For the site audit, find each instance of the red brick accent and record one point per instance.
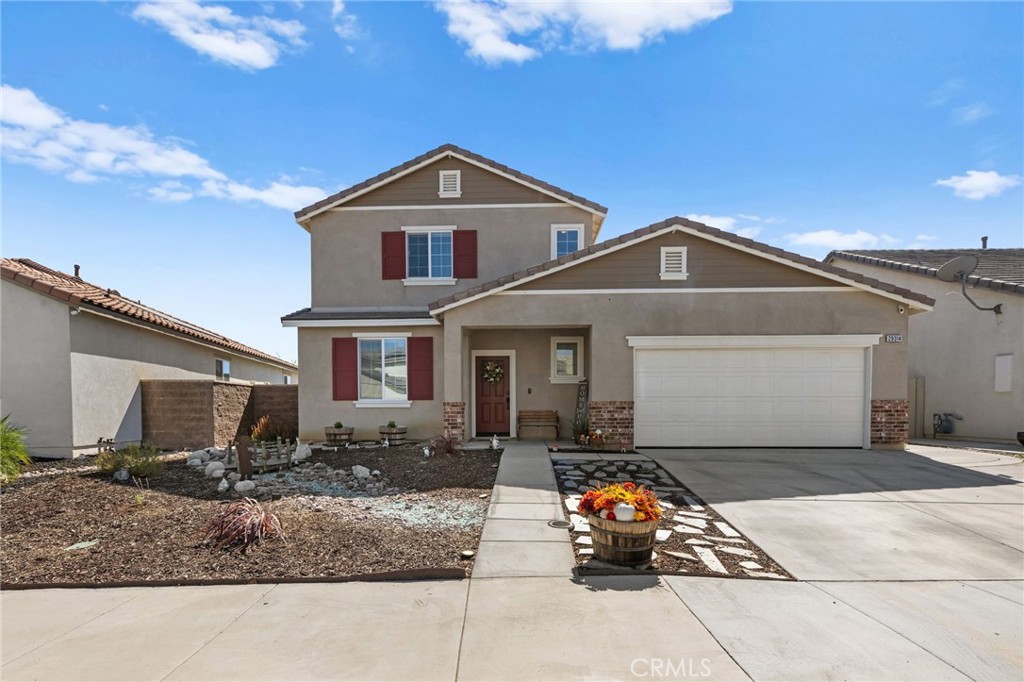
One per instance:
(455, 419)
(614, 418)
(890, 422)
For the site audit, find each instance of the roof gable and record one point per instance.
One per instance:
(696, 229)
(998, 269)
(75, 292)
(447, 151)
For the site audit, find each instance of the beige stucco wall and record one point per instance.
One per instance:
(109, 359)
(346, 250)
(954, 349)
(317, 407)
(611, 318)
(533, 387)
(35, 370)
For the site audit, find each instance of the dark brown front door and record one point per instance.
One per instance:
(492, 396)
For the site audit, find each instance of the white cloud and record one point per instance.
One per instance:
(833, 239)
(345, 25)
(979, 184)
(277, 194)
(39, 135)
(217, 32)
(949, 90)
(748, 232)
(971, 113)
(495, 32)
(727, 223)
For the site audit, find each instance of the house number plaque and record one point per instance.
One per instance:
(894, 338)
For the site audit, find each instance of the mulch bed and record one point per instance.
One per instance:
(665, 563)
(152, 534)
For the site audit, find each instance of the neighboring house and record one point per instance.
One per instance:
(963, 360)
(451, 292)
(74, 354)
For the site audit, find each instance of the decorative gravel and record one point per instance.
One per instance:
(694, 539)
(148, 534)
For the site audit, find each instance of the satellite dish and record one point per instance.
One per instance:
(958, 270)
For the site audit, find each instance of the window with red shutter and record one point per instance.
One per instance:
(421, 368)
(393, 255)
(464, 254)
(345, 369)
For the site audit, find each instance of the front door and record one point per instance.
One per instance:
(492, 395)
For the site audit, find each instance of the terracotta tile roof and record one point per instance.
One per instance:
(998, 269)
(77, 292)
(700, 227)
(445, 148)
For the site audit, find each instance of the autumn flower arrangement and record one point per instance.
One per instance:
(621, 502)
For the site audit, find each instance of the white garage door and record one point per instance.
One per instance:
(745, 397)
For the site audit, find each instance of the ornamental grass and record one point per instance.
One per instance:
(601, 502)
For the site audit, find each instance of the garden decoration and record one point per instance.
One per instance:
(623, 520)
(492, 373)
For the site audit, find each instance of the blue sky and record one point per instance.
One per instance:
(162, 146)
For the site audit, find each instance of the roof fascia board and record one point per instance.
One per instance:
(414, 322)
(100, 312)
(806, 268)
(412, 169)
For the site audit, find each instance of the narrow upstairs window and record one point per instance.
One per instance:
(450, 184)
(673, 262)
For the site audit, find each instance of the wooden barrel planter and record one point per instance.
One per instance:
(394, 434)
(622, 543)
(338, 436)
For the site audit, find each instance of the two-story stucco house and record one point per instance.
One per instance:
(452, 292)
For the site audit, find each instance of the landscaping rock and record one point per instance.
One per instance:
(201, 455)
(215, 469)
(359, 471)
(121, 475)
(223, 486)
(245, 486)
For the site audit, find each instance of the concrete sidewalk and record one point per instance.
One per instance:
(524, 617)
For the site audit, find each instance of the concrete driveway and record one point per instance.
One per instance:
(910, 566)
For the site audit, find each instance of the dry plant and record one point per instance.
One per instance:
(243, 523)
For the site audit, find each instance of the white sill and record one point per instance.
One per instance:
(428, 281)
(449, 195)
(382, 403)
(673, 275)
(565, 380)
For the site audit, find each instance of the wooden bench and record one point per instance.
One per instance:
(537, 418)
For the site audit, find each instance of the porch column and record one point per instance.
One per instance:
(455, 351)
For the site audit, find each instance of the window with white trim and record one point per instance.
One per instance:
(673, 262)
(566, 359)
(383, 369)
(428, 254)
(223, 370)
(566, 239)
(449, 184)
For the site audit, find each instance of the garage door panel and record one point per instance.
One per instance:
(797, 397)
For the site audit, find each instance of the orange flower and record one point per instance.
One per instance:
(644, 501)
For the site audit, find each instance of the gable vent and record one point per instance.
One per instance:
(673, 262)
(450, 184)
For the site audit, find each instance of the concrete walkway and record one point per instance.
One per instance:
(524, 617)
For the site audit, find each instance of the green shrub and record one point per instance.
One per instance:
(140, 460)
(13, 453)
(339, 425)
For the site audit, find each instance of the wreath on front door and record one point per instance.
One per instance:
(492, 373)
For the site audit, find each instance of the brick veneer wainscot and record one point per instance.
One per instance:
(890, 422)
(614, 418)
(455, 419)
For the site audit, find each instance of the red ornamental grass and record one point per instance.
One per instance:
(243, 523)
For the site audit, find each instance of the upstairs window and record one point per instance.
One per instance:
(566, 239)
(429, 254)
(673, 262)
(449, 184)
(223, 370)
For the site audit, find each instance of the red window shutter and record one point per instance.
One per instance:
(393, 255)
(464, 254)
(421, 367)
(345, 366)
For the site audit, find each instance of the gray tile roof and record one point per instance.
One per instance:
(998, 269)
(343, 194)
(310, 314)
(706, 229)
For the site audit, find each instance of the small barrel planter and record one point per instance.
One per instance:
(394, 434)
(623, 543)
(336, 436)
